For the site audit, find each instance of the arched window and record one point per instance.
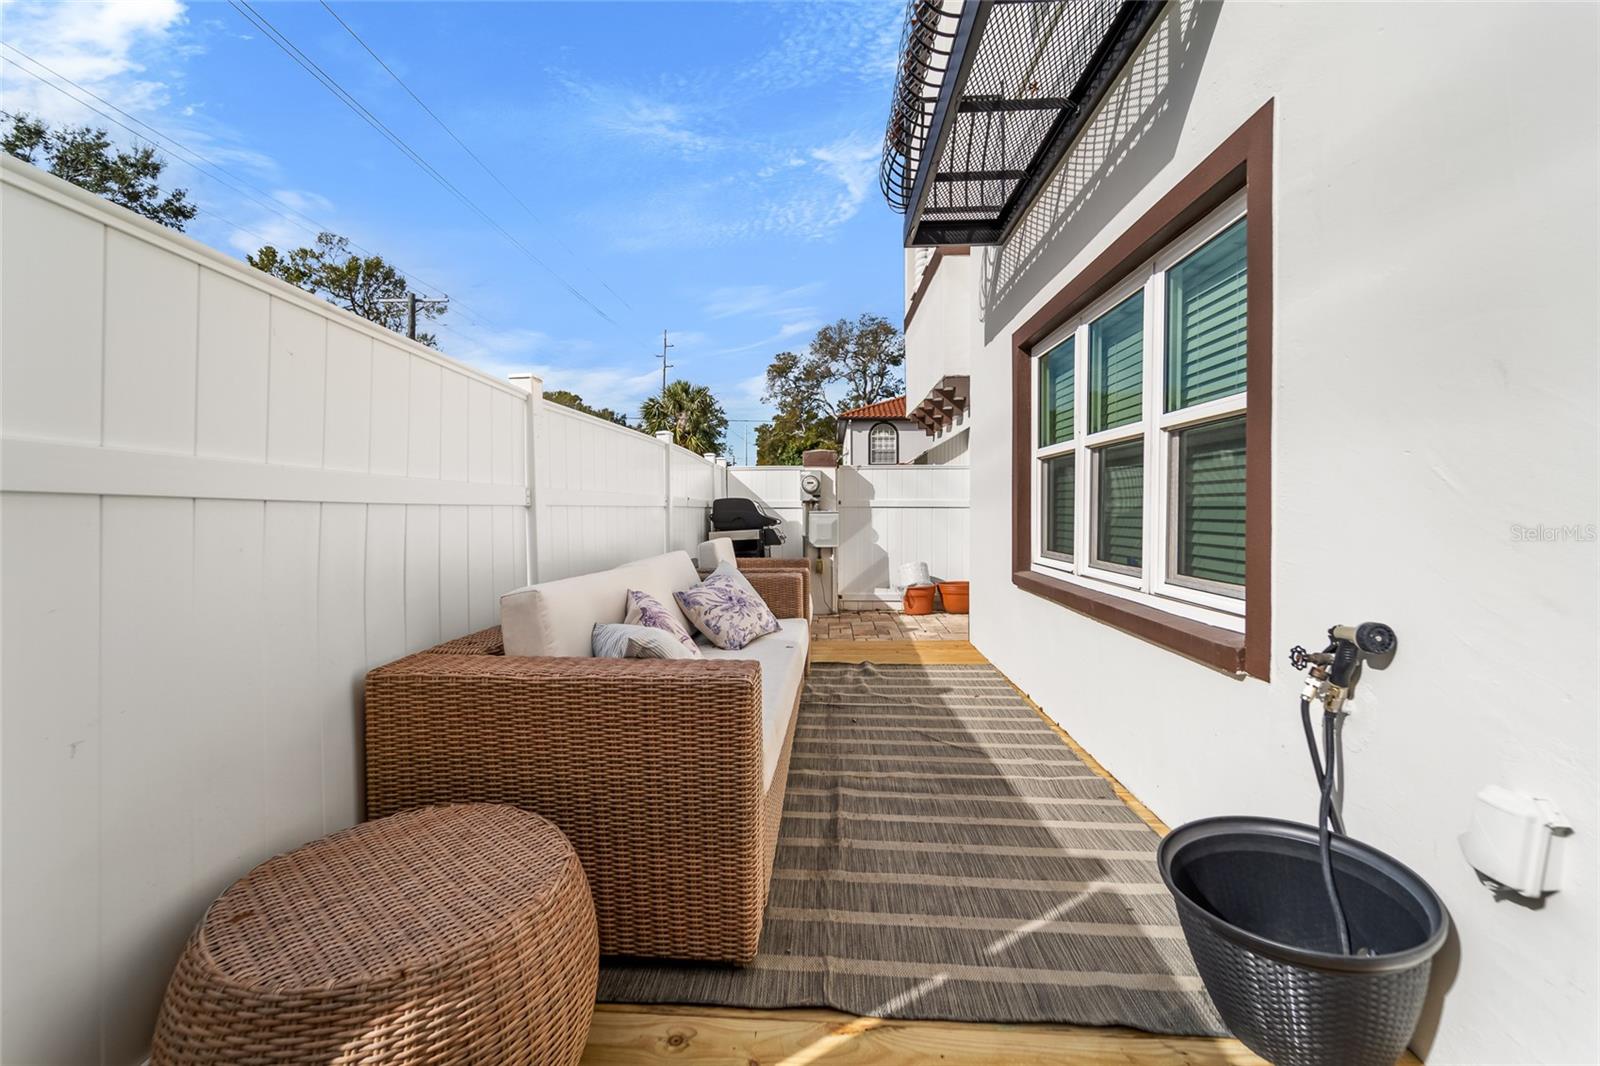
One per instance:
(883, 445)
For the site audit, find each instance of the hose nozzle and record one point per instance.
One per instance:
(1371, 638)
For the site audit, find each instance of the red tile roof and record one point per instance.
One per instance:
(895, 408)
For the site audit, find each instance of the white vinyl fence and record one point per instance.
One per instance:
(222, 501)
(888, 515)
(605, 494)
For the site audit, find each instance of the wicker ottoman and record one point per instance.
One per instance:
(440, 935)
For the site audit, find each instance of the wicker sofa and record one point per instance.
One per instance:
(666, 775)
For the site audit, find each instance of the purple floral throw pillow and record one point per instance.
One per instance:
(645, 610)
(727, 610)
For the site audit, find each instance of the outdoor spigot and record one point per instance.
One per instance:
(1334, 668)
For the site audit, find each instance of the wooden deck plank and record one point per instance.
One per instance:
(895, 651)
(717, 1036)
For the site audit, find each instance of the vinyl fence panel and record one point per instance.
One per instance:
(888, 516)
(223, 502)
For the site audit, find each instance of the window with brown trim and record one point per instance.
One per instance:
(1142, 416)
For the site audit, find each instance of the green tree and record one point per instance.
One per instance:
(692, 414)
(83, 156)
(784, 441)
(355, 283)
(858, 361)
(567, 398)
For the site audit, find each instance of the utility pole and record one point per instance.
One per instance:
(744, 433)
(411, 300)
(664, 364)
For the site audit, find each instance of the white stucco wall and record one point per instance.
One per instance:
(1436, 350)
(951, 448)
(943, 334)
(913, 441)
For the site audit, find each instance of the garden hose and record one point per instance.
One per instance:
(1327, 813)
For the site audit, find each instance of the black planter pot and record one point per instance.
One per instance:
(1250, 896)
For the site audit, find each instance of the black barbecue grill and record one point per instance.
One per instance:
(752, 528)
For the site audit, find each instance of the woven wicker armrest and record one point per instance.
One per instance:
(784, 591)
(751, 568)
(652, 768)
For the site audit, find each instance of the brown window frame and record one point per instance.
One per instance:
(1243, 162)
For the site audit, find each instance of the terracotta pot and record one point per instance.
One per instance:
(954, 595)
(918, 599)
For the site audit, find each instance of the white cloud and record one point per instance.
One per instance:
(822, 42)
(638, 117)
(577, 365)
(269, 229)
(748, 392)
(280, 230)
(794, 329)
(801, 199)
(102, 46)
(619, 388)
(494, 351)
(661, 123)
(730, 300)
(303, 200)
(776, 341)
(127, 52)
(853, 162)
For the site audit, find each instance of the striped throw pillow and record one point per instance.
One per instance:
(617, 640)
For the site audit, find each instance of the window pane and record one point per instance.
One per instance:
(1119, 505)
(1060, 494)
(1116, 364)
(1056, 374)
(1206, 321)
(1209, 544)
(883, 445)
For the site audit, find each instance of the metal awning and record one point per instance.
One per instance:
(989, 96)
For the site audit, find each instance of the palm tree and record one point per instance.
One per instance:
(692, 414)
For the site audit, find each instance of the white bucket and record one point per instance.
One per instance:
(914, 574)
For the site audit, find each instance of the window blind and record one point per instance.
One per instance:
(1206, 321)
(1056, 374)
(1119, 505)
(1060, 493)
(1211, 503)
(1116, 364)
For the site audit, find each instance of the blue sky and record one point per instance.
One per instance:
(708, 168)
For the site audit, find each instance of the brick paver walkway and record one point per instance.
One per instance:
(888, 625)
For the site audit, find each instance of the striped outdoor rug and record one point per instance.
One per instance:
(945, 856)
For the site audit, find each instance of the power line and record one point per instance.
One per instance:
(199, 163)
(211, 211)
(206, 167)
(330, 83)
(462, 144)
(173, 144)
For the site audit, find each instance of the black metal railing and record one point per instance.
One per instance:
(989, 95)
(924, 57)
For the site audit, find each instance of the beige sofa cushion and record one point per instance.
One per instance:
(782, 656)
(558, 617)
(714, 551)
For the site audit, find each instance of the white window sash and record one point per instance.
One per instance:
(1156, 584)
